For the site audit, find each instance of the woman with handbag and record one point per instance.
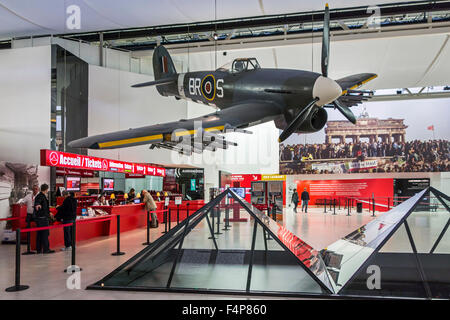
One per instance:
(150, 206)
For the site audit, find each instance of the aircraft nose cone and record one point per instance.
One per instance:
(327, 90)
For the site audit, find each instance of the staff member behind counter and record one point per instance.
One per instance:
(131, 195)
(101, 201)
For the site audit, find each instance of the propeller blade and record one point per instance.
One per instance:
(326, 41)
(297, 122)
(345, 111)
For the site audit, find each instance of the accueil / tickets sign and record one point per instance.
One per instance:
(76, 161)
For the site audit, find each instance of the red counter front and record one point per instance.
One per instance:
(132, 216)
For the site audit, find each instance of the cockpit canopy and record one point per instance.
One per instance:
(240, 65)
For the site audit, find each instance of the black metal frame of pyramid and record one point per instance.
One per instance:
(176, 237)
(360, 273)
(315, 264)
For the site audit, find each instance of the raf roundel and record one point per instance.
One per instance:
(208, 87)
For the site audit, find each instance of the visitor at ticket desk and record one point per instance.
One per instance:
(101, 201)
(131, 195)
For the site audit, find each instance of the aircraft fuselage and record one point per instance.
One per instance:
(289, 89)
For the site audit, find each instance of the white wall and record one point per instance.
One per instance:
(25, 94)
(25, 102)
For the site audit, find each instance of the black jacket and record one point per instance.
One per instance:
(295, 197)
(305, 195)
(68, 209)
(44, 211)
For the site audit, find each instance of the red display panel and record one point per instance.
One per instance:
(361, 189)
(74, 172)
(76, 161)
(108, 184)
(73, 183)
(244, 181)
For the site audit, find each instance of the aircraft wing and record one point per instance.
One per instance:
(351, 96)
(170, 135)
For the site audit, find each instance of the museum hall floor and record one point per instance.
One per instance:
(44, 273)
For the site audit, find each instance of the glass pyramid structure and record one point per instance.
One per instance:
(207, 253)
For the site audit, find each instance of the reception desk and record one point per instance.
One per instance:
(132, 216)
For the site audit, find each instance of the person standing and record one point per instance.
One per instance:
(29, 201)
(67, 213)
(131, 195)
(295, 200)
(305, 200)
(150, 206)
(42, 217)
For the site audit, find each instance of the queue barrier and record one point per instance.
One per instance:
(19, 287)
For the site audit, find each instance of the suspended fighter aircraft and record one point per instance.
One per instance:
(245, 95)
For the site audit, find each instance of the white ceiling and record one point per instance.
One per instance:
(25, 18)
(400, 62)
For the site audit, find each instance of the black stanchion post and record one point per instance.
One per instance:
(118, 253)
(348, 207)
(334, 206)
(213, 214)
(324, 205)
(17, 286)
(218, 220)
(178, 213)
(165, 219)
(373, 205)
(170, 218)
(28, 241)
(148, 230)
(389, 203)
(74, 242)
(267, 236)
(211, 227)
(187, 210)
(227, 218)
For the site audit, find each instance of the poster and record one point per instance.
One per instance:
(361, 190)
(389, 136)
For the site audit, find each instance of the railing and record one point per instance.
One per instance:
(372, 204)
(19, 287)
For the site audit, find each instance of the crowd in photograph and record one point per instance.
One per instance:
(411, 156)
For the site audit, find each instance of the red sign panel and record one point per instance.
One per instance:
(358, 189)
(76, 161)
(74, 172)
(244, 181)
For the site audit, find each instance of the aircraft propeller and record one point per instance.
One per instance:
(325, 90)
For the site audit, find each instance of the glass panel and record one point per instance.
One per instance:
(444, 244)
(402, 272)
(204, 267)
(153, 265)
(303, 252)
(200, 265)
(347, 255)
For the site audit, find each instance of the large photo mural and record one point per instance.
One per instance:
(389, 136)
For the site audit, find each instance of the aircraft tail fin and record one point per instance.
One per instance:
(163, 66)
